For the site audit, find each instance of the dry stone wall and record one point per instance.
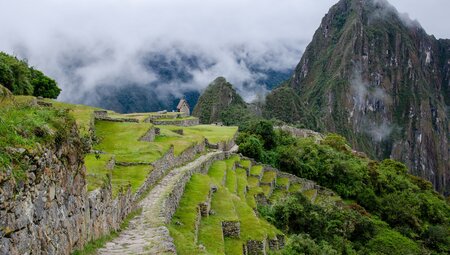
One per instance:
(51, 212)
(176, 122)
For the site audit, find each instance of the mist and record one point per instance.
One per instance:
(87, 44)
(84, 44)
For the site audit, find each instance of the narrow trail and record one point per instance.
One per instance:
(147, 233)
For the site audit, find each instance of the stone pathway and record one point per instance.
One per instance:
(147, 233)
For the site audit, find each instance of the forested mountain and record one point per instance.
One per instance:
(380, 80)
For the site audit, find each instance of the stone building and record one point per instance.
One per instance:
(183, 107)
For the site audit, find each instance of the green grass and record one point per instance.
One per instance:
(226, 206)
(180, 142)
(266, 189)
(210, 234)
(310, 193)
(252, 182)
(282, 182)
(256, 170)
(277, 195)
(134, 176)
(241, 177)
(231, 181)
(268, 176)
(83, 114)
(213, 133)
(96, 170)
(22, 126)
(196, 192)
(295, 187)
(122, 140)
(233, 246)
(217, 171)
(92, 247)
(252, 227)
(246, 163)
(251, 196)
(121, 176)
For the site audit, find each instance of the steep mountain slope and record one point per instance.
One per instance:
(219, 100)
(377, 78)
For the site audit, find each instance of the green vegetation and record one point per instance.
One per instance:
(220, 103)
(406, 205)
(268, 176)
(92, 247)
(256, 170)
(227, 204)
(21, 79)
(24, 126)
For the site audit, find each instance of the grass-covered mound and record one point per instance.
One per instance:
(24, 126)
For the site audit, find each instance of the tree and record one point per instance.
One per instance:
(44, 86)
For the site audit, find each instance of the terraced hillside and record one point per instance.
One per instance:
(217, 213)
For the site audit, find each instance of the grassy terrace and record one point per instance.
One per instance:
(246, 163)
(256, 170)
(228, 203)
(22, 126)
(268, 176)
(282, 182)
(83, 114)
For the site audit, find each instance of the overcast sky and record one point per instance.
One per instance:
(102, 40)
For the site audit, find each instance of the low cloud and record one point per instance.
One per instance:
(369, 103)
(85, 44)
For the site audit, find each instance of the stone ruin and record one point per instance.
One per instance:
(231, 229)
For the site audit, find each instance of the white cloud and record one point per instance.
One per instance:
(83, 43)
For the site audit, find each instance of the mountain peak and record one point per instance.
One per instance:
(376, 77)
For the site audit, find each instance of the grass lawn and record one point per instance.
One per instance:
(231, 182)
(213, 133)
(242, 183)
(233, 246)
(266, 189)
(277, 194)
(252, 227)
(251, 196)
(217, 171)
(196, 192)
(180, 142)
(268, 176)
(122, 140)
(134, 176)
(256, 170)
(282, 182)
(252, 182)
(210, 234)
(246, 163)
(295, 187)
(84, 115)
(121, 177)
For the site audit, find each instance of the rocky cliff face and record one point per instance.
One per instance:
(217, 100)
(44, 211)
(379, 79)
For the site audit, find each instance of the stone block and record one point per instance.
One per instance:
(256, 247)
(231, 229)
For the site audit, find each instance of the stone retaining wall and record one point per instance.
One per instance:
(231, 229)
(175, 122)
(173, 198)
(149, 136)
(52, 212)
